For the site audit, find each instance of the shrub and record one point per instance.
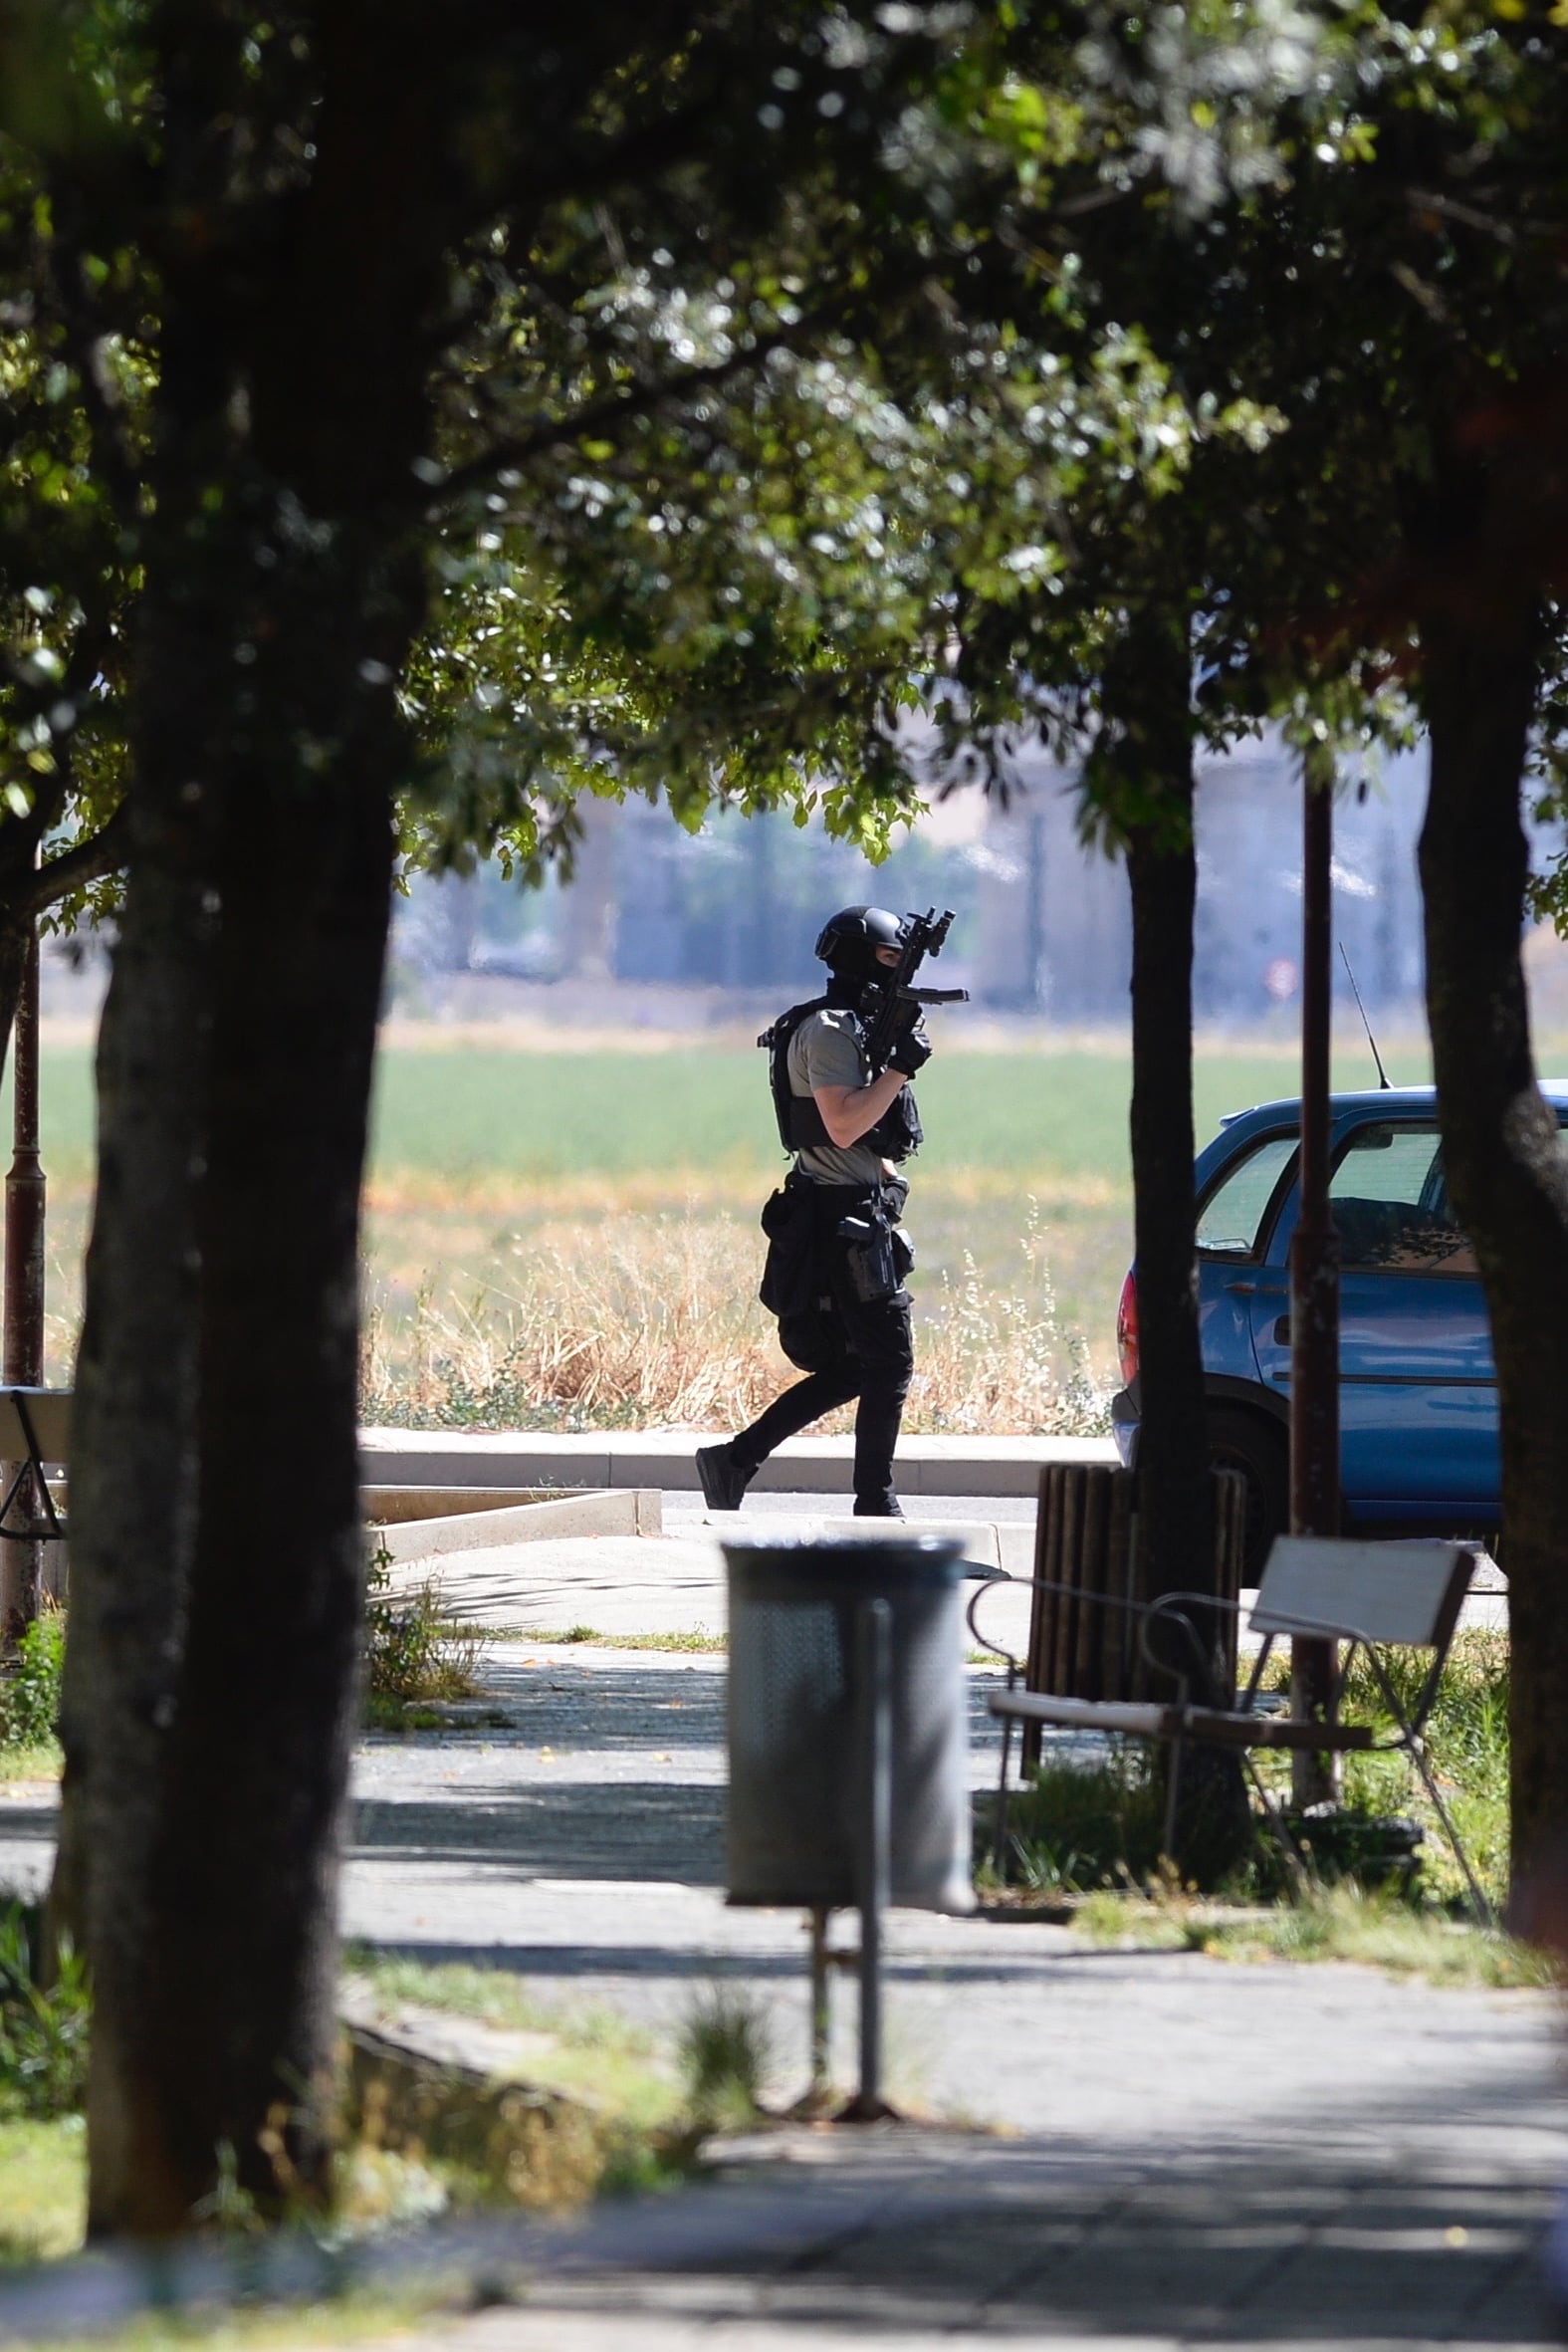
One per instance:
(43, 2032)
(30, 1687)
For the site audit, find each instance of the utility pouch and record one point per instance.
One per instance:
(873, 1274)
(779, 1211)
(789, 1281)
(903, 1250)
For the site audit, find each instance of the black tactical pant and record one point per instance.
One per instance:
(847, 1348)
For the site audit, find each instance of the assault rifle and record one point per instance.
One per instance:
(891, 1007)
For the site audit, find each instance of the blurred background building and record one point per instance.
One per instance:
(693, 927)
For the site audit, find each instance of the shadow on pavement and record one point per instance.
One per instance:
(668, 1835)
(1321, 2245)
(613, 1709)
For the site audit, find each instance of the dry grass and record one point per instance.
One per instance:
(651, 1320)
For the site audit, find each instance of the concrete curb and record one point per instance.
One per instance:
(666, 1459)
(627, 1511)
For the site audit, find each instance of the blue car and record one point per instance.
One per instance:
(1418, 1390)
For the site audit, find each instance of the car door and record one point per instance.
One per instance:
(1418, 1393)
(1235, 1217)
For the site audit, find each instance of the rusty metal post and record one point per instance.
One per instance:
(23, 1350)
(1314, 1272)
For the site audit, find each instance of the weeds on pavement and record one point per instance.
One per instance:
(725, 2055)
(414, 1650)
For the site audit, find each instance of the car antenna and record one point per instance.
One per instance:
(1382, 1076)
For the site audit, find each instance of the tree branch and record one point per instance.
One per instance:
(85, 862)
(605, 416)
(617, 408)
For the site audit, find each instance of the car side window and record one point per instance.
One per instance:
(1230, 1220)
(1391, 1205)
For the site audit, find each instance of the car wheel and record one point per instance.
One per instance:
(1243, 1441)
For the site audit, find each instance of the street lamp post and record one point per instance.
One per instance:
(1314, 1273)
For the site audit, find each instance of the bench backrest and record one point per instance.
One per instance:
(1400, 1592)
(49, 1410)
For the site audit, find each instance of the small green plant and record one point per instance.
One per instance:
(43, 2029)
(414, 1650)
(1080, 1825)
(30, 1687)
(724, 2053)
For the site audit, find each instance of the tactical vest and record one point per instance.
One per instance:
(898, 1131)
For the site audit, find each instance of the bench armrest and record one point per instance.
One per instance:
(1165, 1610)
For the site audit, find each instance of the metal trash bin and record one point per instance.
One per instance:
(795, 1736)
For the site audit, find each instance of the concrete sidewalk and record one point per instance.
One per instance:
(1129, 2147)
(1121, 2148)
(666, 1457)
(1430, 2236)
(620, 1585)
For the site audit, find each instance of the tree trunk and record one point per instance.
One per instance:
(1148, 699)
(1504, 1159)
(1148, 696)
(217, 1558)
(216, 1555)
(244, 1865)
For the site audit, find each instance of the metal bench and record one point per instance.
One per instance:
(35, 1428)
(1371, 1596)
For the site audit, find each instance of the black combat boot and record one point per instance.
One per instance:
(724, 1481)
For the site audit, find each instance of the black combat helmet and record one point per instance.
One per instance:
(849, 941)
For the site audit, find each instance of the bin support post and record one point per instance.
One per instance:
(874, 1860)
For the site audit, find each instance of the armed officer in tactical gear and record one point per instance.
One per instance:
(837, 1252)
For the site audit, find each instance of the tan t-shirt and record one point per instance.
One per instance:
(825, 1051)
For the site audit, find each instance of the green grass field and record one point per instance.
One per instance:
(479, 1149)
(467, 1116)
(477, 1114)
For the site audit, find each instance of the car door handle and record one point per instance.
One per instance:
(1241, 1289)
(1283, 1331)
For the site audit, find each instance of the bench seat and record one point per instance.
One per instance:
(1209, 1724)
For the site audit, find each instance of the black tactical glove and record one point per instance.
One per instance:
(913, 1050)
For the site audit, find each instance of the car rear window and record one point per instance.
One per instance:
(1230, 1220)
